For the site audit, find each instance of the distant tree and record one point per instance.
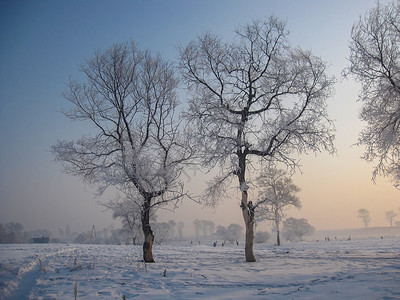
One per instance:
(128, 96)
(196, 225)
(13, 238)
(3, 234)
(390, 215)
(254, 101)
(221, 231)
(236, 232)
(278, 193)
(261, 237)
(205, 226)
(12, 233)
(180, 227)
(296, 229)
(82, 238)
(163, 232)
(363, 214)
(231, 233)
(375, 63)
(15, 227)
(128, 210)
(172, 228)
(67, 232)
(210, 227)
(61, 233)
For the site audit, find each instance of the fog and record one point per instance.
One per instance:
(43, 43)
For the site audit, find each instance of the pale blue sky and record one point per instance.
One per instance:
(42, 43)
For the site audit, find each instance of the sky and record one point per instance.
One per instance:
(43, 43)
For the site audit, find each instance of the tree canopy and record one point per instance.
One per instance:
(375, 63)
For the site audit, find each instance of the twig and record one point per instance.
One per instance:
(76, 289)
(41, 265)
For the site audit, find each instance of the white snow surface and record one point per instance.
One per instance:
(357, 269)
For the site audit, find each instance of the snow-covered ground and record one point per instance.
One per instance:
(357, 269)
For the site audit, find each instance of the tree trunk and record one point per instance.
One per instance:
(148, 246)
(278, 239)
(147, 232)
(278, 229)
(249, 224)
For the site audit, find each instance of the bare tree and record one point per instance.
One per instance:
(296, 229)
(375, 63)
(363, 214)
(278, 193)
(390, 215)
(128, 96)
(254, 101)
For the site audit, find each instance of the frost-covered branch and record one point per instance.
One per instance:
(139, 146)
(375, 63)
(255, 101)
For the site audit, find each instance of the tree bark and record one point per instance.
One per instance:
(278, 229)
(278, 239)
(148, 247)
(249, 225)
(147, 232)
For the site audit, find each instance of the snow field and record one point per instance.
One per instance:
(357, 269)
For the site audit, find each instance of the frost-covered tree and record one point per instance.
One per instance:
(196, 226)
(295, 229)
(163, 232)
(390, 215)
(210, 227)
(129, 210)
(231, 233)
(261, 237)
(278, 193)
(363, 214)
(180, 227)
(15, 227)
(128, 97)
(172, 225)
(375, 63)
(205, 226)
(12, 233)
(254, 101)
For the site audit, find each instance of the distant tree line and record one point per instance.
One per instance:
(390, 216)
(205, 227)
(13, 233)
